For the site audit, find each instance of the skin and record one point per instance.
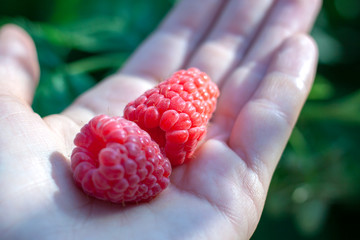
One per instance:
(259, 54)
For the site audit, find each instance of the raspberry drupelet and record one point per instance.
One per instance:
(176, 112)
(114, 160)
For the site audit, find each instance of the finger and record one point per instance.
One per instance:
(228, 41)
(166, 50)
(286, 19)
(19, 69)
(263, 126)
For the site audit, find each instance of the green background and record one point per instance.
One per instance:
(315, 192)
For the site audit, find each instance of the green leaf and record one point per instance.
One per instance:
(322, 89)
(310, 216)
(96, 63)
(53, 94)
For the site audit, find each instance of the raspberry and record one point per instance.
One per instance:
(175, 113)
(115, 160)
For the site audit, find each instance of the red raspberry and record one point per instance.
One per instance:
(117, 161)
(175, 113)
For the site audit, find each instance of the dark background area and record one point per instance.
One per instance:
(315, 192)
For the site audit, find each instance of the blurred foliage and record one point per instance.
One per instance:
(315, 192)
(80, 42)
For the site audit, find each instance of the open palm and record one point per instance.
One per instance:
(256, 51)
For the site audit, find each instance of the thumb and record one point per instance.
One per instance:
(19, 69)
(19, 72)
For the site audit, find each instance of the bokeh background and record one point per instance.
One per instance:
(315, 192)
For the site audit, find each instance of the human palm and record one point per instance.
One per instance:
(263, 61)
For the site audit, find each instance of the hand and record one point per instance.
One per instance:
(259, 54)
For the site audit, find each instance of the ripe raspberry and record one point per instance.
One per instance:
(175, 113)
(117, 161)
